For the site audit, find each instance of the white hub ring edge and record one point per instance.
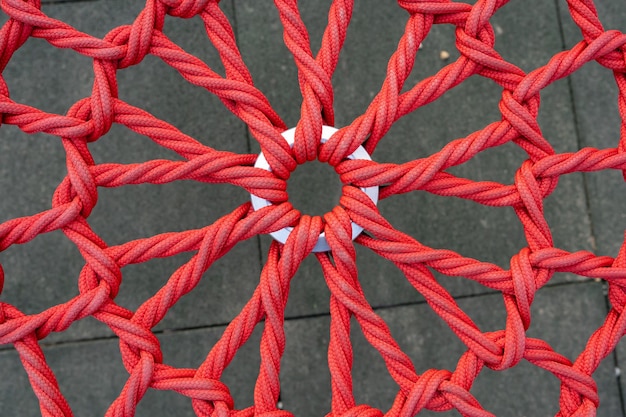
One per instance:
(282, 234)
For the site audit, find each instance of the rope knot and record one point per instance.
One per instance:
(617, 293)
(138, 344)
(137, 38)
(100, 107)
(524, 284)
(522, 116)
(186, 9)
(425, 392)
(511, 340)
(208, 408)
(530, 211)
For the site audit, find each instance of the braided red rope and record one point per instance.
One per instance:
(99, 281)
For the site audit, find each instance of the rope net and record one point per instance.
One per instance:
(436, 389)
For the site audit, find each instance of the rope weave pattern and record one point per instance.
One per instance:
(99, 281)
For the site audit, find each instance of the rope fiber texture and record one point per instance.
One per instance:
(99, 281)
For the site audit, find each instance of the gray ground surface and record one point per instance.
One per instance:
(585, 212)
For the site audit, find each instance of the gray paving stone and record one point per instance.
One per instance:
(564, 316)
(44, 272)
(489, 234)
(91, 375)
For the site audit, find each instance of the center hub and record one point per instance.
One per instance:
(281, 235)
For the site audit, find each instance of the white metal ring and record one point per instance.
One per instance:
(282, 234)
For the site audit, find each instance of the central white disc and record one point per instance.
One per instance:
(282, 234)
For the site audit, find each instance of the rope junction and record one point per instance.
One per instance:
(99, 281)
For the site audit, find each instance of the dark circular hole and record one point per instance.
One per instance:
(314, 188)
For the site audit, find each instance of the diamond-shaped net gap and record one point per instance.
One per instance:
(99, 281)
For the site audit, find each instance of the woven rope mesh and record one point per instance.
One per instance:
(436, 389)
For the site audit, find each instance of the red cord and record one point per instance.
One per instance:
(99, 281)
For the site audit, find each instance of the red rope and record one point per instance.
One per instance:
(99, 281)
